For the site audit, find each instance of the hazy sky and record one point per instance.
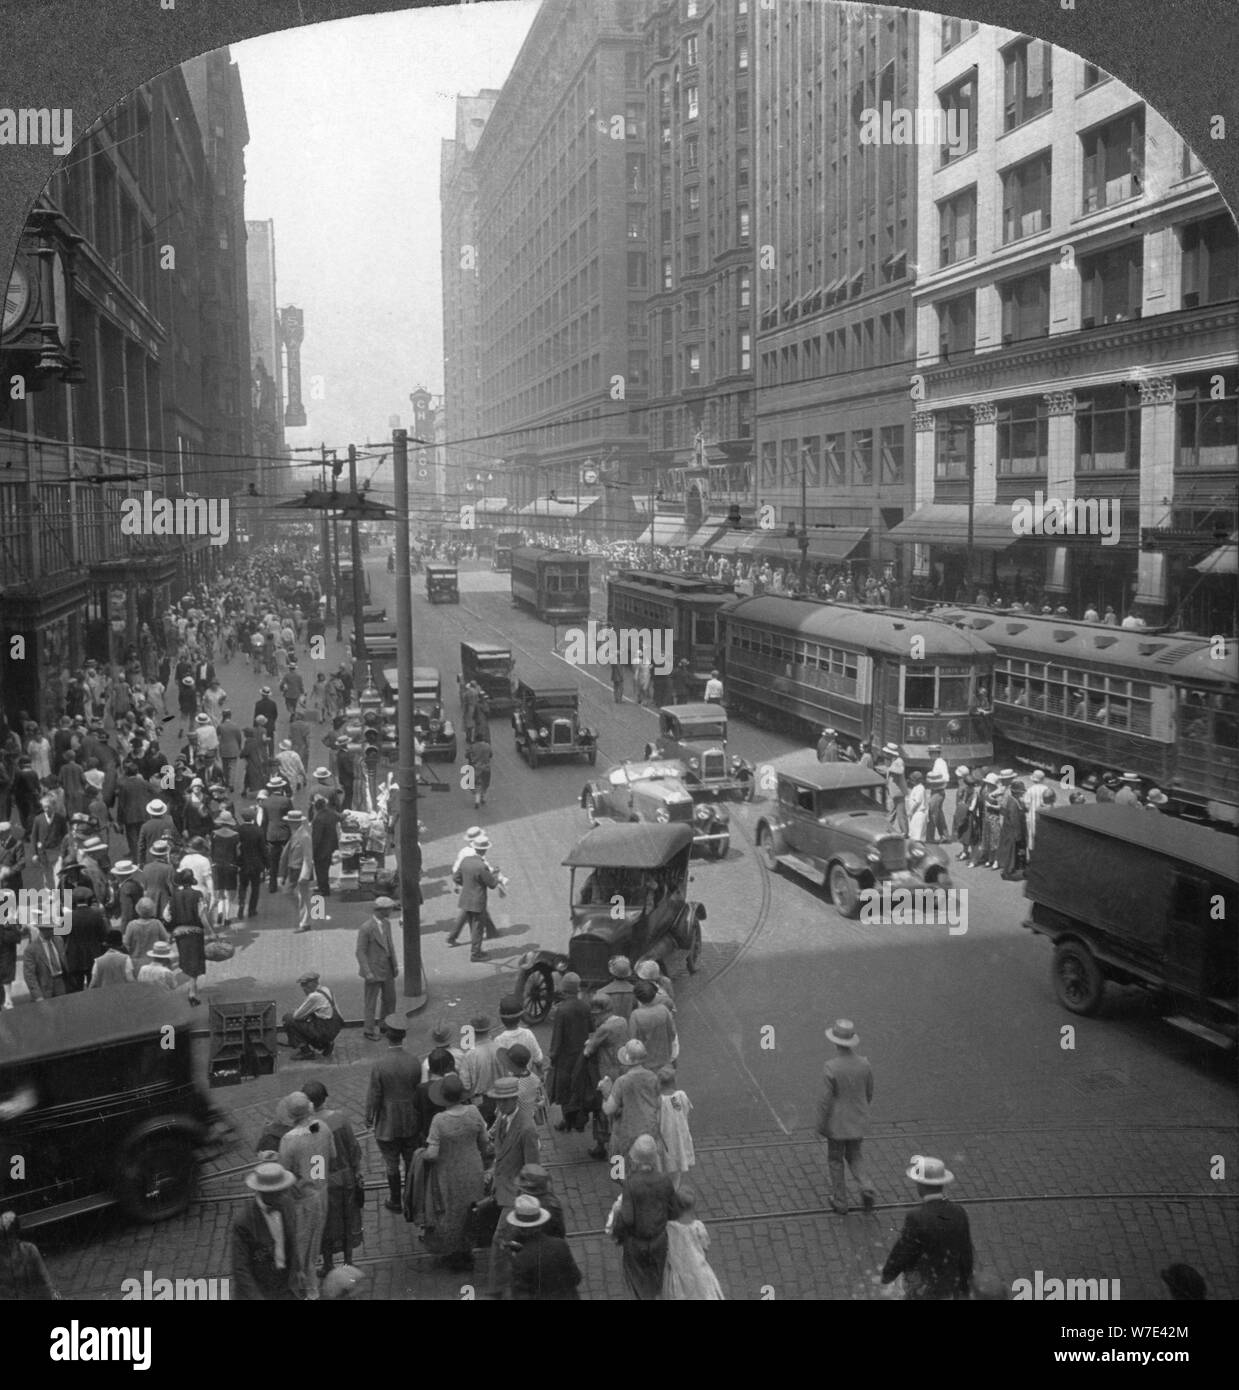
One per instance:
(345, 126)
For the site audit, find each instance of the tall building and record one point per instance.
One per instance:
(835, 200)
(123, 317)
(560, 284)
(266, 382)
(1077, 329)
(694, 347)
(462, 356)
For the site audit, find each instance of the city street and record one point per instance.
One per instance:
(1085, 1156)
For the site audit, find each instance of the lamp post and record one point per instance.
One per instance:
(803, 538)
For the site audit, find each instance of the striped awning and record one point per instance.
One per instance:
(947, 524)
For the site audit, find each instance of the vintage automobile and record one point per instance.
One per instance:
(696, 735)
(381, 642)
(547, 725)
(442, 585)
(658, 791)
(829, 824)
(433, 727)
(627, 896)
(491, 666)
(102, 1100)
(1134, 897)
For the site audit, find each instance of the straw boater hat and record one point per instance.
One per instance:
(843, 1034)
(891, 748)
(93, 846)
(931, 1172)
(1007, 775)
(274, 783)
(293, 817)
(528, 1213)
(475, 832)
(322, 774)
(187, 680)
(991, 779)
(505, 1088)
(123, 867)
(162, 950)
(269, 1177)
(202, 719)
(161, 849)
(481, 842)
(1157, 797)
(1131, 778)
(156, 808)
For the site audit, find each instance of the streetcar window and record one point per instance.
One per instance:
(1225, 730)
(918, 692)
(705, 629)
(953, 692)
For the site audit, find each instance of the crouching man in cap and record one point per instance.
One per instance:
(264, 1239)
(934, 1249)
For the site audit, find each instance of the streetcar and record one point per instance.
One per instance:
(868, 673)
(505, 543)
(1097, 699)
(686, 605)
(551, 583)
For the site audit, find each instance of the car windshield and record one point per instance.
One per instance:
(598, 887)
(555, 704)
(704, 728)
(496, 661)
(849, 799)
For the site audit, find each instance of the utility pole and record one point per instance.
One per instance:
(409, 850)
(335, 534)
(325, 543)
(359, 577)
(803, 538)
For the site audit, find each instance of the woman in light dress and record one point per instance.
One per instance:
(688, 1276)
(918, 806)
(675, 1108)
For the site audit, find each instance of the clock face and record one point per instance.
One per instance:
(17, 297)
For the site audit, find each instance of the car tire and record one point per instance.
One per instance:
(538, 994)
(692, 957)
(156, 1177)
(721, 848)
(765, 847)
(844, 894)
(1078, 980)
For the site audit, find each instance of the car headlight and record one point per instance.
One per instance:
(916, 851)
(874, 857)
(544, 732)
(703, 813)
(447, 727)
(694, 762)
(662, 815)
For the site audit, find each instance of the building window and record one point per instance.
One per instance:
(636, 321)
(632, 69)
(668, 278)
(692, 310)
(634, 113)
(959, 105)
(1025, 307)
(742, 57)
(1027, 85)
(636, 221)
(691, 109)
(746, 289)
(746, 352)
(1210, 261)
(1113, 161)
(742, 170)
(1026, 198)
(692, 366)
(1112, 285)
(1023, 436)
(832, 457)
(664, 225)
(690, 152)
(957, 325)
(1208, 424)
(862, 457)
(635, 173)
(811, 457)
(694, 202)
(638, 368)
(692, 253)
(743, 221)
(955, 31)
(892, 455)
(957, 227)
(790, 470)
(690, 9)
(1094, 76)
(636, 270)
(742, 110)
(1108, 430)
(690, 51)
(952, 444)
(769, 462)
(744, 415)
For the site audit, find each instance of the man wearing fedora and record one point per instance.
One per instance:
(514, 1143)
(896, 789)
(276, 829)
(391, 1106)
(934, 1249)
(476, 878)
(158, 825)
(377, 964)
(297, 865)
(45, 967)
(543, 1270)
(936, 832)
(1128, 793)
(843, 1114)
(264, 1239)
(828, 747)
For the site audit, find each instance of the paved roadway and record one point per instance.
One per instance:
(1083, 1157)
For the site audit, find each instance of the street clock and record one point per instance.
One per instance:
(19, 298)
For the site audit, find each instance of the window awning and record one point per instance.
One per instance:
(708, 532)
(943, 523)
(836, 542)
(772, 545)
(547, 507)
(492, 504)
(667, 530)
(729, 542)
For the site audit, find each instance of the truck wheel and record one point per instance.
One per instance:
(765, 847)
(843, 892)
(720, 848)
(692, 960)
(539, 994)
(1078, 982)
(156, 1177)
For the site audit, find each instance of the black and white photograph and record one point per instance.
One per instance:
(689, 550)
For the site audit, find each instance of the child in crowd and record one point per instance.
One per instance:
(688, 1277)
(673, 1126)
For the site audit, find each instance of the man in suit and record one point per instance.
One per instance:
(324, 841)
(44, 967)
(114, 966)
(934, 1249)
(843, 1114)
(570, 1030)
(129, 890)
(157, 876)
(268, 709)
(391, 1108)
(158, 826)
(514, 1143)
(10, 940)
(264, 1239)
(231, 742)
(377, 965)
(274, 808)
(251, 863)
(476, 877)
(132, 794)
